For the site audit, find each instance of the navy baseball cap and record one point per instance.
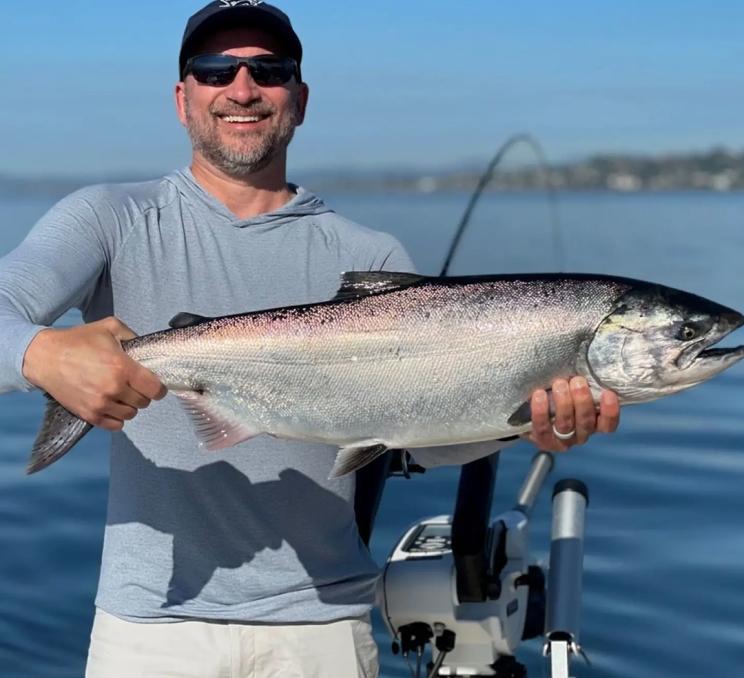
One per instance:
(222, 14)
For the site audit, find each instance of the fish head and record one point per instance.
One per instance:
(657, 341)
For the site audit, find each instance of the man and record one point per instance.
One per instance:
(245, 563)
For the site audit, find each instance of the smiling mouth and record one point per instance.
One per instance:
(238, 119)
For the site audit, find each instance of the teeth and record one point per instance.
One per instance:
(241, 118)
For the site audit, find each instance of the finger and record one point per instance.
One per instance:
(133, 398)
(585, 412)
(120, 411)
(564, 421)
(118, 328)
(146, 383)
(609, 412)
(110, 424)
(542, 428)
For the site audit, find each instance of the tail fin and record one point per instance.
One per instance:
(60, 430)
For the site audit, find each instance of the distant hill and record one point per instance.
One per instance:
(714, 170)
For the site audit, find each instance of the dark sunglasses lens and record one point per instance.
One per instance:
(214, 69)
(219, 70)
(272, 70)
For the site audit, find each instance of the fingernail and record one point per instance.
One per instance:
(560, 387)
(541, 397)
(578, 383)
(608, 398)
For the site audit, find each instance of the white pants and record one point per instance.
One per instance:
(202, 649)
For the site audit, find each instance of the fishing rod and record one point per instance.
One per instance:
(485, 179)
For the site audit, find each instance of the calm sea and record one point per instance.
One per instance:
(664, 580)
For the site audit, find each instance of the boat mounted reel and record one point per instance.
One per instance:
(463, 585)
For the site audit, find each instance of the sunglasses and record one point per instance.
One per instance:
(219, 70)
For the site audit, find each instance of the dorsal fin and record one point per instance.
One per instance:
(360, 283)
(186, 320)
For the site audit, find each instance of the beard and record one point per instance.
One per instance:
(244, 152)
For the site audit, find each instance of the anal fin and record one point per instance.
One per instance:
(353, 457)
(216, 427)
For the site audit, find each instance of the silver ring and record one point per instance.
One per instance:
(563, 436)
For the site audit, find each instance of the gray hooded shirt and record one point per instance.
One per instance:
(256, 532)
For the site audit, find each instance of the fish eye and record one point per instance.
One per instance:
(688, 332)
(693, 330)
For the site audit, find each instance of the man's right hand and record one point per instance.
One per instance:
(85, 369)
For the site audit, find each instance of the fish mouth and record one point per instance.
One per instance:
(716, 354)
(703, 354)
(701, 365)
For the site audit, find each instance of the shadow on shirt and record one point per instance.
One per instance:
(220, 519)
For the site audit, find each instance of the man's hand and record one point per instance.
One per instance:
(85, 369)
(574, 411)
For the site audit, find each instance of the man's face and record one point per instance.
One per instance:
(210, 114)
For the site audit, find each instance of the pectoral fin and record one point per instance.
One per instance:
(215, 426)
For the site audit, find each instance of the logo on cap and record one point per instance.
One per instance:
(237, 3)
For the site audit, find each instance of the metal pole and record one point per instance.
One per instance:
(562, 625)
(542, 464)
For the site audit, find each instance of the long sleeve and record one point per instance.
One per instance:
(52, 270)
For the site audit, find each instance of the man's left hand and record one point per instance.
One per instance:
(574, 411)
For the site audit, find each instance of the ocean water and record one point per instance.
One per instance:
(664, 552)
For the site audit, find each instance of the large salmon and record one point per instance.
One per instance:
(404, 361)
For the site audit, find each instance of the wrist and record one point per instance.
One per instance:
(35, 358)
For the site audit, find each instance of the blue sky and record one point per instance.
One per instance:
(87, 85)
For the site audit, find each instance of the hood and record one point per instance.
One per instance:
(303, 204)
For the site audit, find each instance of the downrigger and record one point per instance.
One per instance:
(458, 593)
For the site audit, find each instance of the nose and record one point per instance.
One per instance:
(243, 89)
(730, 320)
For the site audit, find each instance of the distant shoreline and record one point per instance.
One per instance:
(717, 170)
